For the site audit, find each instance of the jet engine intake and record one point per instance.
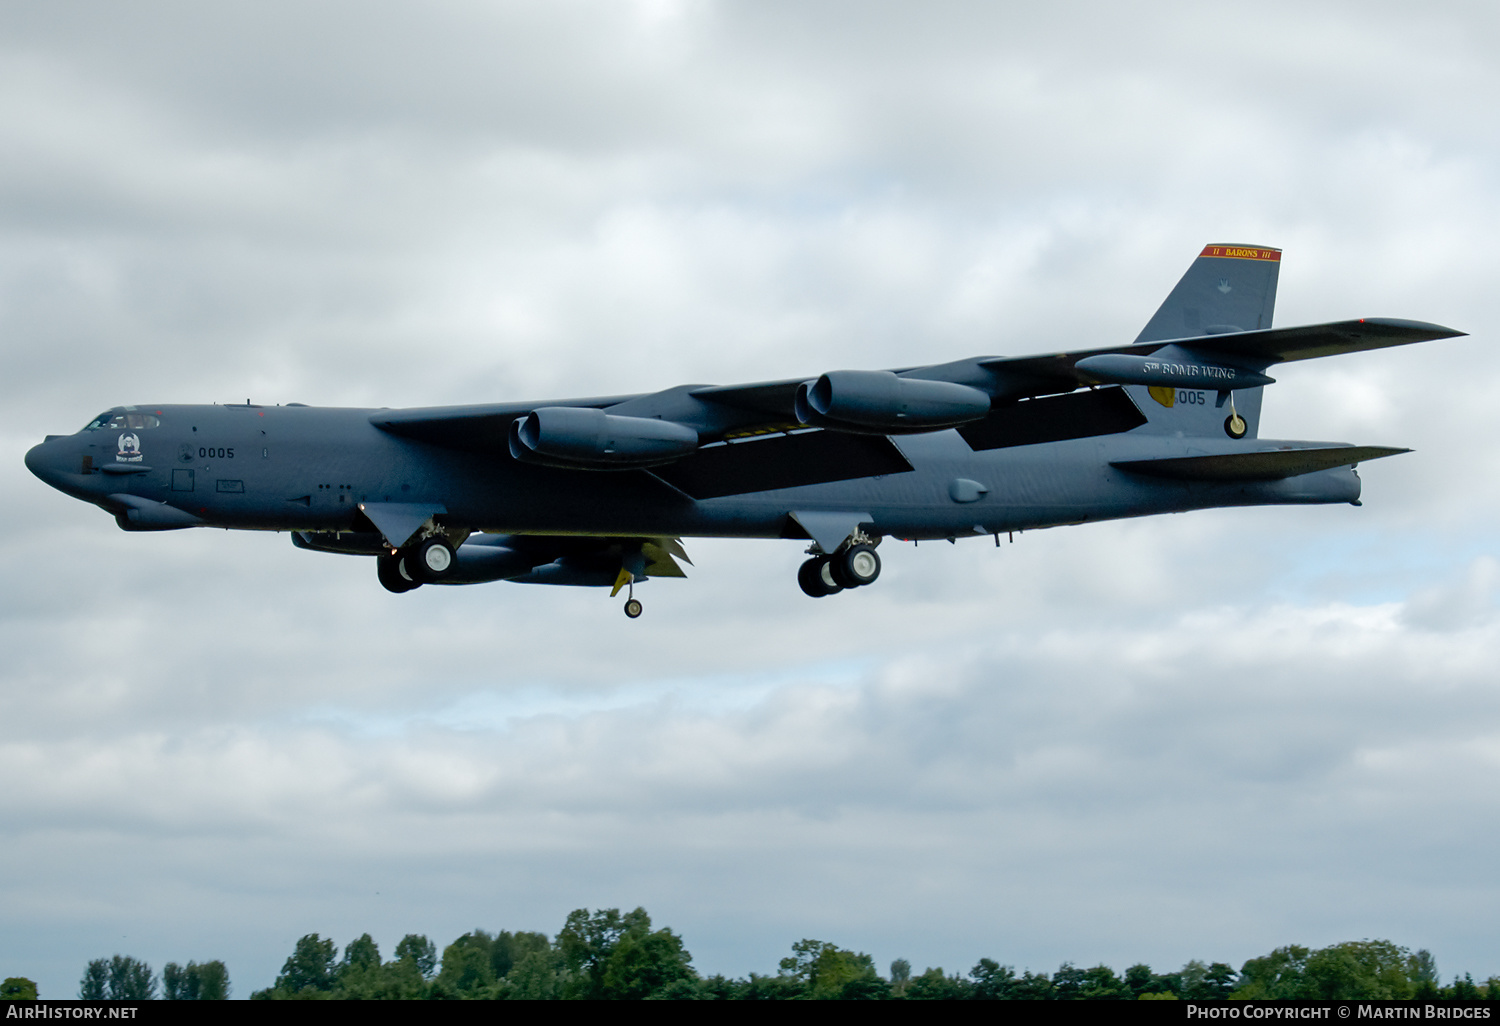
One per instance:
(882, 403)
(577, 437)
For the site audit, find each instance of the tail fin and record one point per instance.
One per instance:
(1228, 288)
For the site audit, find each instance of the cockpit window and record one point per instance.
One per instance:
(111, 420)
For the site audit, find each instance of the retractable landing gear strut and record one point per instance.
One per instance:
(626, 580)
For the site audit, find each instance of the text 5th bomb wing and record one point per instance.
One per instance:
(600, 491)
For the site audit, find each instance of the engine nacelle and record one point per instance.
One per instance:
(570, 436)
(880, 402)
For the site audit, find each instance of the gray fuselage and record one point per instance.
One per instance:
(297, 468)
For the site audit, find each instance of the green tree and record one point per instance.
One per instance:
(467, 971)
(609, 955)
(900, 976)
(95, 983)
(1424, 968)
(1199, 982)
(1373, 969)
(1464, 989)
(175, 984)
(1279, 975)
(17, 988)
(213, 980)
(421, 951)
(536, 976)
(1033, 987)
(509, 948)
(1139, 979)
(767, 988)
(206, 982)
(311, 967)
(120, 978)
(932, 985)
(826, 971)
(1068, 983)
(1220, 980)
(397, 980)
(587, 940)
(1353, 970)
(647, 963)
(362, 977)
(993, 981)
(1101, 984)
(362, 953)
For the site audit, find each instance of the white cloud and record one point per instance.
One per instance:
(1188, 737)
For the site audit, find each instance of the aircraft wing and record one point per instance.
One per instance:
(1263, 347)
(660, 428)
(480, 427)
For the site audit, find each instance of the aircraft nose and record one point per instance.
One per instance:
(45, 461)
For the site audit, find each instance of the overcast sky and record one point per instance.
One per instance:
(1197, 736)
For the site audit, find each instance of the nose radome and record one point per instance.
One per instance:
(42, 461)
(34, 459)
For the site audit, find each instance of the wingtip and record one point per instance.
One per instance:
(1428, 329)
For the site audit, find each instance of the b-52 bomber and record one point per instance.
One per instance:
(600, 491)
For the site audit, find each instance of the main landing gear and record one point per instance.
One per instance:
(424, 562)
(851, 567)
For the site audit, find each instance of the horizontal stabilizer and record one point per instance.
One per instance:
(1267, 465)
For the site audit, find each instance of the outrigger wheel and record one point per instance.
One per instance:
(633, 607)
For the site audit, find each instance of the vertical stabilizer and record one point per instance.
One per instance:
(1228, 288)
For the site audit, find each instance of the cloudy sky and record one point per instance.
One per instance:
(1197, 736)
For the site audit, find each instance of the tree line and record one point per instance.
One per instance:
(607, 954)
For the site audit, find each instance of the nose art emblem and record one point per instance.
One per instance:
(130, 449)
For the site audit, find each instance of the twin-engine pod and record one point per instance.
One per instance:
(1172, 366)
(570, 436)
(881, 403)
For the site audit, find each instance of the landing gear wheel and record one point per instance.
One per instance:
(392, 575)
(816, 578)
(857, 566)
(633, 608)
(1235, 426)
(430, 560)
